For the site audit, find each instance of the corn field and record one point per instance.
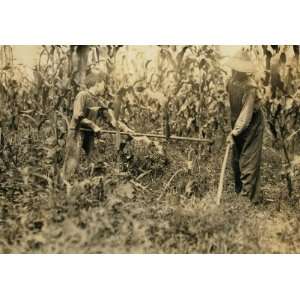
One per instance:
(151, 195)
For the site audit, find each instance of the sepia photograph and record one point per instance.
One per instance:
(149, 149)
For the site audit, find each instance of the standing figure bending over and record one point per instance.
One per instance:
(89, 107)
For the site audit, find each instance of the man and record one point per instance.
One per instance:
(88, 108)
(247, 123)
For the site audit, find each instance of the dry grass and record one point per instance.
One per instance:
(111, 213)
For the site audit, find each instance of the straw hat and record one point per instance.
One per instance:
(241, 62)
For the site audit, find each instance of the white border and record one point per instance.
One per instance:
(141, 22)
(149, 277)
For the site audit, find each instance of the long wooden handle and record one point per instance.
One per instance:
(221, 181)
(160, 136)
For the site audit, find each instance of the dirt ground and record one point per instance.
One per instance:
(118, 212)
